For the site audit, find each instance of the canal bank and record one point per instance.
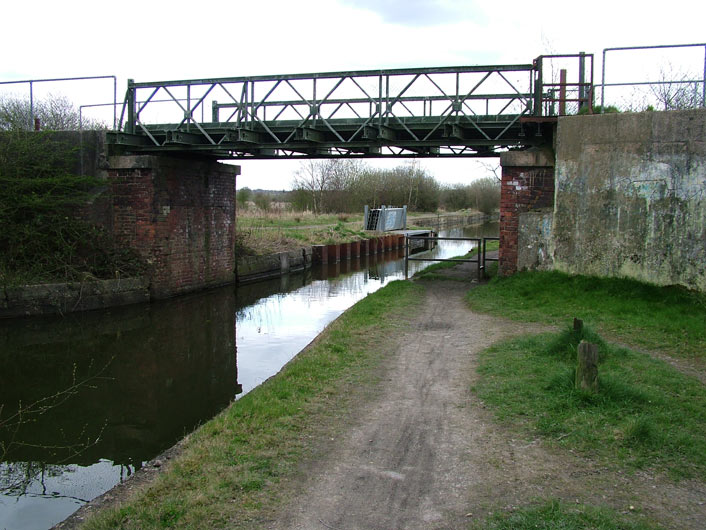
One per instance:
(132, 362)
(375, 425)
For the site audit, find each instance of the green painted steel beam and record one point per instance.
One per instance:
(336, 75)
(430, 112)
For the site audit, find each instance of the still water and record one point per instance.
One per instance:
(86, 399)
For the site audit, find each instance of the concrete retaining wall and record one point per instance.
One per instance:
(254, 268)
(534, 240)
(60, 298)
(631, 196)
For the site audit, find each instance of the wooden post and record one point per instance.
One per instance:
(587, 367)
(578, 325)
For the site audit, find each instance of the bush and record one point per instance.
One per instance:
(44, 237)
(242, 197)
(263, 201)
(608, 109)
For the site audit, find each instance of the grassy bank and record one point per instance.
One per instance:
(554, 515)
(260, 233)
(667, 319)
(262, 241)
(224, 474)
(644, 415)
(290, 219)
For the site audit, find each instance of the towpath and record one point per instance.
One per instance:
(425, 453)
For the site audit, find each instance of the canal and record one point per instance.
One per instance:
(87, 399)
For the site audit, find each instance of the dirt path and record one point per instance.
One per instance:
(426, 454)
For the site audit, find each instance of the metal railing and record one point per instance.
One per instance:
(576, 87)
(484, 253)
(32, 82)
(701, 81)
(479, 258)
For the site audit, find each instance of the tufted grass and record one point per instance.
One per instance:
(645, 414)
(554, 515)
(666, 319)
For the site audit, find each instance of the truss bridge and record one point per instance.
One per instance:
(469, 111)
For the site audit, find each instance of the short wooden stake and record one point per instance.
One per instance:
(578, 324)
(587, 368)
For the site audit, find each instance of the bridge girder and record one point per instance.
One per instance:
(471, 111)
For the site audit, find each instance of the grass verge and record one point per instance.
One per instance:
(287, 219)
(554, 515)
(262, 241)
(645, 414)
(667, 319)
(229, 468)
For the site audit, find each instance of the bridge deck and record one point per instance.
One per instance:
(407, 136)
(428, 112)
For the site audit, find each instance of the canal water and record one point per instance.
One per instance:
(87, 399)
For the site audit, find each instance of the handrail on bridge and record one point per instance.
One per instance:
(583, 86)
(31, 83)
(603, 84)
(443, 111)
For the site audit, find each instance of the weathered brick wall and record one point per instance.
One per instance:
(527, 184)
(179, 214)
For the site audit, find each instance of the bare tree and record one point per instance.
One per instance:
(313, 177)
(676, 90)
(55, 113)
(493, 168)
(327, 181)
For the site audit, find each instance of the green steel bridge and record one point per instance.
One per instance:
(469, 111)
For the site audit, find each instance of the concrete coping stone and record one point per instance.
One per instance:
(534, 157)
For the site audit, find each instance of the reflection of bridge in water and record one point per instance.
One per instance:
(471, 111)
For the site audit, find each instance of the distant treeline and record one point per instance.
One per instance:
(345, 185)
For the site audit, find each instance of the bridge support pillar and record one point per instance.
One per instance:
(527, 184)
(179, 214)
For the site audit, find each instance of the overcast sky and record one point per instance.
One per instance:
(151, 40)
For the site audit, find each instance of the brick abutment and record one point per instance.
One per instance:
(179, 214)
(527, 184)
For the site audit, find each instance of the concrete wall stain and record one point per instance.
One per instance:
(631, 197)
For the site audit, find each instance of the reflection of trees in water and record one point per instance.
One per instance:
(16, 479)
(307, 288)
(30, 479)
(17, 476)
(12, 422)
(110, 388)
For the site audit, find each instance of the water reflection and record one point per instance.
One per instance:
(119, 386)
(89, 397)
